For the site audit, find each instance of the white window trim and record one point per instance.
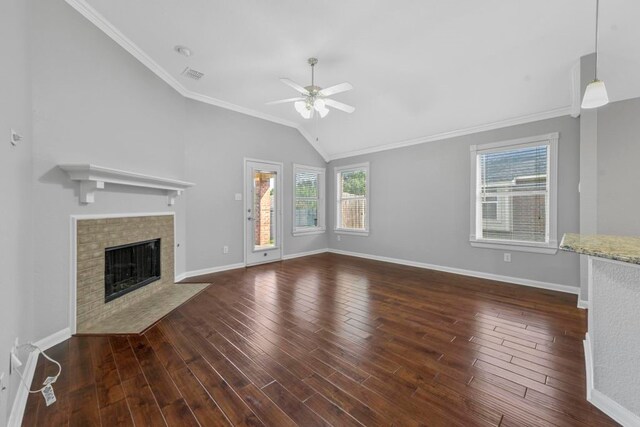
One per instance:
(321, 227)
(347, 168)
(550, 247)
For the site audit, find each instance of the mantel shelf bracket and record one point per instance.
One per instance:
(93, 178)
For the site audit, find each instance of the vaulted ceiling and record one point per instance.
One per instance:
(421, 70)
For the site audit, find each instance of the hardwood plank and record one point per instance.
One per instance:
(231, 404)
(116, 414)
(83, 407)
(331, 412)
(292, 406)
(351, 405)
(202, 405)
(268, 412)
(135, 386)
(107, 381)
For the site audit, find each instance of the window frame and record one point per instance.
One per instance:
(551, 246)
(321, 226)
(337, 171)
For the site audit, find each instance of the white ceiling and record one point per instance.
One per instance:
(420, 69)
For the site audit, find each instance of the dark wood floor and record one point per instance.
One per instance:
(334, 340)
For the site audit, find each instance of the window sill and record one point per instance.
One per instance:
(352, 232)
(548, 249)
(309, 232)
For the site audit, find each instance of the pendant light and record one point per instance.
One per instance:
(596, 93)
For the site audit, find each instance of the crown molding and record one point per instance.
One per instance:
(97, 19)
(550, 114)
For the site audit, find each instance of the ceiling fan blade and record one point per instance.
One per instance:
(332, 90)
(340, 106)
(282, 101)
(295, 85)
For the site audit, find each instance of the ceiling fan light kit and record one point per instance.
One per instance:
(315, 99)
(595, 94)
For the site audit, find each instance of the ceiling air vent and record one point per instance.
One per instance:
(192, 74)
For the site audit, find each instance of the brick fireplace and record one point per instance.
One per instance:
(96, 236)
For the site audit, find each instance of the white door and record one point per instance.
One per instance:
(263, 211)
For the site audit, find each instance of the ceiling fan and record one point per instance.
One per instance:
(315, 99)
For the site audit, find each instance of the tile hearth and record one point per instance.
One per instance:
(140, 315)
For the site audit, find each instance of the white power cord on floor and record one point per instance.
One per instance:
(49, 380)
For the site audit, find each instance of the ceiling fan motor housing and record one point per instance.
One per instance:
(313, 89)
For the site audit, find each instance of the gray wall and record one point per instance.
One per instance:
(94, 103)
(618, 183)
(217, 141)
(420, 205)
(15, 174)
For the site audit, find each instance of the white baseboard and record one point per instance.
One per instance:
(584, 304)
(479, 274)
(613, 409)
(180, 277)
(201, 272)
(601, 401)
(301, 254)
(588, 364)
(20, 401)
(54, 339)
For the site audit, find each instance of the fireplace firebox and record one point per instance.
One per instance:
(130, 267)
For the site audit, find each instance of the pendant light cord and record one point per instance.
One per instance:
(597, 27)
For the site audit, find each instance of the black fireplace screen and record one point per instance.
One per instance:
(129, 267)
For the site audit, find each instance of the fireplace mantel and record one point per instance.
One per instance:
(93, 178)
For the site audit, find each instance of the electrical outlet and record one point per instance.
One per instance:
(338, 237)
(507, 257)
(238, 196)
(225, 249)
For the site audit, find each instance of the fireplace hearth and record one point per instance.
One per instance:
(130, 267)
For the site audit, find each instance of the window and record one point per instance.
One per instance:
(514, 194)
(308, 200)
(352, 199)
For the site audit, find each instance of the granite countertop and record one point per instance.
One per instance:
(619, 248)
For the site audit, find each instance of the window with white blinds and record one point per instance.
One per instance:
(352, 199)
(308, 200)
(514, 194)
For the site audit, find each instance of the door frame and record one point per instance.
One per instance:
(279, 200)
